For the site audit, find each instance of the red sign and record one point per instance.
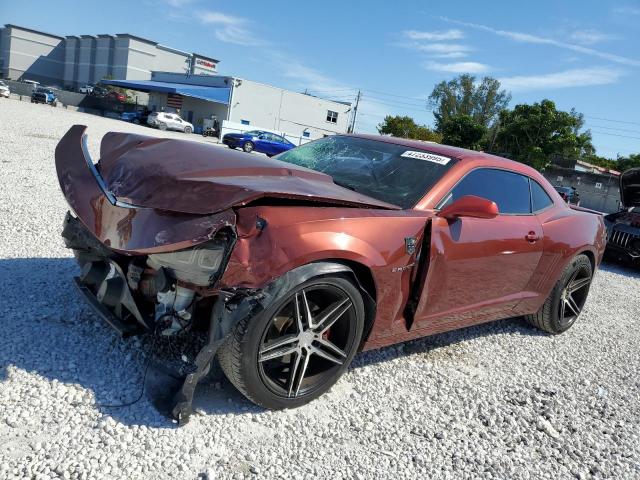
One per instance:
(205, 63)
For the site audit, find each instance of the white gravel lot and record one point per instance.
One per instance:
(495, 401)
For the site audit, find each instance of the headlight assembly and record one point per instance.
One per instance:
(199, 265)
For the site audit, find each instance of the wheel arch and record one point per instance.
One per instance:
(360, 274)
(590, 255)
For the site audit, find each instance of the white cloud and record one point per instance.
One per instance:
(590, 37)
(178, 3)
(628, 10)
(229, 28)
(449, 55)
(580, 77)
(528, 38)
(442, 48)
(458, 67)
(434, 36)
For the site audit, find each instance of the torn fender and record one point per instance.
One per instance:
(123, 227)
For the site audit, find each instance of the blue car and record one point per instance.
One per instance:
(259, 141)
(134, 117)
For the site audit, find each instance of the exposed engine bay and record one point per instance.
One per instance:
(166, 293)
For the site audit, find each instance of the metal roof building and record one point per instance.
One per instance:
(74, 61)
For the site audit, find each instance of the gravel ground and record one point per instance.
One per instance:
(494, 401)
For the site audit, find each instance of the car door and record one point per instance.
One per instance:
(479, 268)
(263, 143)
(175, 122)
(278, 144)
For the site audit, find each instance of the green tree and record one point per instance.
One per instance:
(532, 134)
(462, 131)
(481, 101)
(406, 127)
(625, 163)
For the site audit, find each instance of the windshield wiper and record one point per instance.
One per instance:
(345, 185)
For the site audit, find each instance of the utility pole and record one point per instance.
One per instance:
(355, 112)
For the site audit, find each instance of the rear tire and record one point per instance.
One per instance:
(292, 373)
(565, 302)
(248, 147)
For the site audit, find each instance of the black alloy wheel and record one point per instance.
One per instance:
(574, 295)
(566, 301)
(298, 348)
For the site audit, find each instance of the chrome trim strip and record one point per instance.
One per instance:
(103, 186)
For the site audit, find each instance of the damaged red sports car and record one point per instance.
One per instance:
(293, 264)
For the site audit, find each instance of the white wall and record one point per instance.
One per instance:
(271, 108)
(33, 56)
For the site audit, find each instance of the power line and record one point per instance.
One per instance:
(615, 129)
(398, 96)
(611, 120)
(617, 135)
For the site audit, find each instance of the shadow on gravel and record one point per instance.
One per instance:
(48, 330)
(619, 267)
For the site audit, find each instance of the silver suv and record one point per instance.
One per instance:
(169, 121)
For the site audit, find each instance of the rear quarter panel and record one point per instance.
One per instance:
(567, 233)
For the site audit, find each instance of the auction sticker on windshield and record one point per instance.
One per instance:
(430, 157)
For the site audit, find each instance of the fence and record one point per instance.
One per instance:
(597, 191)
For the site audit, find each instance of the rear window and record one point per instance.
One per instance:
(540, 199)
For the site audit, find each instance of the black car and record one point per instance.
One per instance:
(569, 194)
(44, 95)
(623, 227)
(99, 91)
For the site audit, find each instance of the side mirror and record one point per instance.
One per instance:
(470, 206)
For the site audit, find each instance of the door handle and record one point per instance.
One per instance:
(532, 237)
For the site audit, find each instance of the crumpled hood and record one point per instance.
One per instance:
(630, 188)
(193, 177)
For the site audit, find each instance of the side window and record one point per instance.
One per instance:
(332, 116)
(540, 199)
(509, 190)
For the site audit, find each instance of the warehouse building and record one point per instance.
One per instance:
(74, 61)
(239, 104)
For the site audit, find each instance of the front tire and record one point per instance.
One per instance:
(188, 130)
(565, 302)
(298, 347)
(248, 147)
(162, 126)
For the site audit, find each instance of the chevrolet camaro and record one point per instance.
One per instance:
(291, 265)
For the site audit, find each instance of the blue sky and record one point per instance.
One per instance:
(581, 54)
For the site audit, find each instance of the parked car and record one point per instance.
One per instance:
(291, 266)
(99, 91)
(115, 97)
(88, 88)
(4, 90)
(623, 227)
(258, 141)
(137, 116)
(569, 194)
(44, 95)
(169, 121)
